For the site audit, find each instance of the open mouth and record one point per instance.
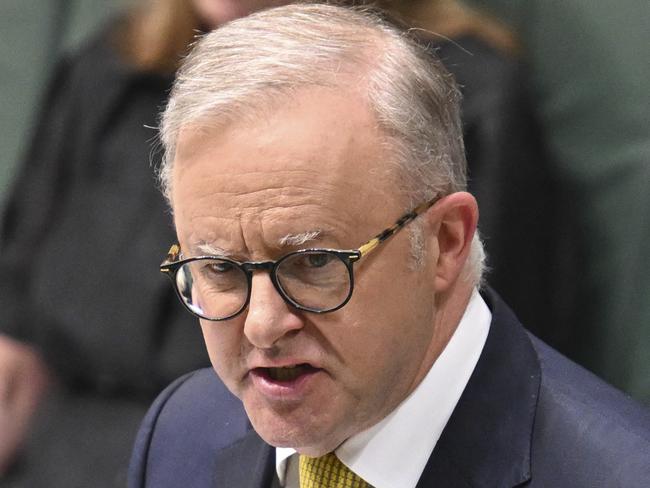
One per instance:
(286, 373)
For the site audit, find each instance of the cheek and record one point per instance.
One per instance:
(224, 344)
(390, 327)
(376, 372)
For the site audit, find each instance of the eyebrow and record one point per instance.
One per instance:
(207, 249)
(300, 239)
(204, 248)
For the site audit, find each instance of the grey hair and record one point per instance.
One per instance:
(253, 62)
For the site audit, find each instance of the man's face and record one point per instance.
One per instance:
(309, 174)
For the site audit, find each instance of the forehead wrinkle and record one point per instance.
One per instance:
(246, 201)
(285, 193)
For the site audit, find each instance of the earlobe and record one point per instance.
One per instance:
(453, 221)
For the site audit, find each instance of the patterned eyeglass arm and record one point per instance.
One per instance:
(172, 255)
(370, 246)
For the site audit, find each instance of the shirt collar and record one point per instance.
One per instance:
(394, 452)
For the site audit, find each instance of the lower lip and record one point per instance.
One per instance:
(284, 390)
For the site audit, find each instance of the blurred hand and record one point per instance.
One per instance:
(23, 382)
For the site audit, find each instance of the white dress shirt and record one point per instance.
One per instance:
(394, 452)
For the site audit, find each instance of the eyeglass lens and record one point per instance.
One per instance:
(212, 288)
(217, 289)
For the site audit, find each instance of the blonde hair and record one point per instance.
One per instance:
(453, 18)
(157, 34)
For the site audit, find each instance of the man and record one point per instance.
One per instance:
(292, 137)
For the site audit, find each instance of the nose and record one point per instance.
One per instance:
(268, 317)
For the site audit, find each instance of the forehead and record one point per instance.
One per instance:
(316, 162)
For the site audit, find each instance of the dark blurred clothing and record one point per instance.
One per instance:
(79, 441)
(85, 229)
(511, 176)
(82, 236)
(33, 33)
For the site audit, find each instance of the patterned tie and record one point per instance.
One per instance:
(328, 472)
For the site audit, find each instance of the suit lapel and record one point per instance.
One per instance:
(487, 440)
(248, 463)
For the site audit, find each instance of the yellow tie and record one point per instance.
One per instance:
(327, 472)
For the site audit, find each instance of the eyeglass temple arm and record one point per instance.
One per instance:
(172, 255)
(370, 246)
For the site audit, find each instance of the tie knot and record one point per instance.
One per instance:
(327, 472)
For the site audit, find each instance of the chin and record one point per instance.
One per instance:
(308, 434)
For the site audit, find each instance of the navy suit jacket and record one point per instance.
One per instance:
(528, 417)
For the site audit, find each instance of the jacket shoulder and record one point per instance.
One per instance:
(188, 423)
(586, 430)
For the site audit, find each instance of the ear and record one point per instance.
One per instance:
(452, 221)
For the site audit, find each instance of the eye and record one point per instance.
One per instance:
(216, 276)
(317, 260)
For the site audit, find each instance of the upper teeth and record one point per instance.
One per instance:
(286, 373)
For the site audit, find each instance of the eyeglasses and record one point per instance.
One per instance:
(314, 280)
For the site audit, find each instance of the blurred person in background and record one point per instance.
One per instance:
(83, 305)
(589, 81)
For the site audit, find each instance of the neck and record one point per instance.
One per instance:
(450, 307)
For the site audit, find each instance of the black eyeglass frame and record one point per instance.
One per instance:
(173, 263)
